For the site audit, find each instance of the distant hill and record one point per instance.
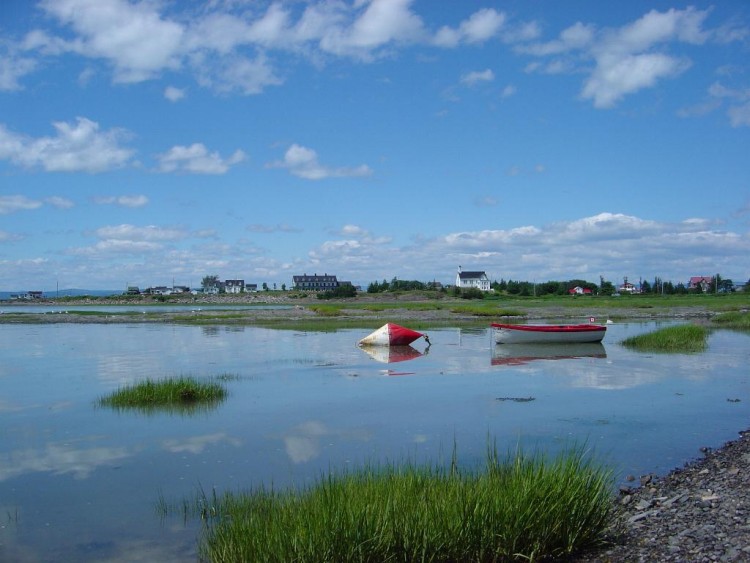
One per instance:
(66, 293)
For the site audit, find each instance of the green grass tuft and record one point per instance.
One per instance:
(522, 507)
(733, 319)
(181, 393)
(681, 338)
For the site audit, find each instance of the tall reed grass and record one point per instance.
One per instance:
(519, 507)
(685, 338)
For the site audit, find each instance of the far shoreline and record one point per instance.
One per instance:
(289, 307)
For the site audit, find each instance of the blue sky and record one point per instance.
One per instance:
(152, 142)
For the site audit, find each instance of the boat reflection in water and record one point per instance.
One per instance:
(521, 354)
(392, 354)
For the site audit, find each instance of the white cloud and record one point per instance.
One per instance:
(303, 162)
(609, 244)
(478, 28)
(615, 77)
(5, 236)
(13, 203)
(383, 22)
(115, 246)
(624, 63)
(132, 240)
(353, 231)
(123, 200)
(229, 48)
(475, 77)
(174, 94)
(197, 160)
(13, 67)
(134, 38)
(739, 116)
(281, 228)
(486, 201)
(59, 202)
(133, 233)
(578, 36)
(77, 147)
(235, 73)
(626, 59)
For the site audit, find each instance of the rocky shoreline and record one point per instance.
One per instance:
(700, 512)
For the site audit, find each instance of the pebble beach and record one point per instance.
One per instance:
(699, 512)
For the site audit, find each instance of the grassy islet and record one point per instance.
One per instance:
(181, 392)
(685, 338)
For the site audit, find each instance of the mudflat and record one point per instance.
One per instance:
(269, 307)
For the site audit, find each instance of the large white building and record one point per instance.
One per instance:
(476, 279)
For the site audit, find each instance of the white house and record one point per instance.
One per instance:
(477, 279)
(234, 286)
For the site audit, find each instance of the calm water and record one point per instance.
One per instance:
(81, 483)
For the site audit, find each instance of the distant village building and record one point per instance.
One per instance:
(28, 296)
(475, 279)
(700, 282)
(158, 290)
(628, 287)
(234, 286)
(578, 290)
(315, 282)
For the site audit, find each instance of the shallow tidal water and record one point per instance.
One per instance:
(79, 482)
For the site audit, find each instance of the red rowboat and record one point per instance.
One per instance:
(391, 334)
(512, 334)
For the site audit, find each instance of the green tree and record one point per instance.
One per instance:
(606, 287)
(342, 291)
(726, 286)
(472, 293)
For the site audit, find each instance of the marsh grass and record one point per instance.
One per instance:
(327, 310)
(674, 339)
(176, 394)
(519, 507)
(734, 319)
(485, 310)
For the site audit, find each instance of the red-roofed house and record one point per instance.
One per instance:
(702, 282)
(578, 290)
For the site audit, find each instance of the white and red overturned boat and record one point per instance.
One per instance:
(514, 334)
(391, 334)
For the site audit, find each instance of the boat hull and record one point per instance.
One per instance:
(523, 334)
(390, 334)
